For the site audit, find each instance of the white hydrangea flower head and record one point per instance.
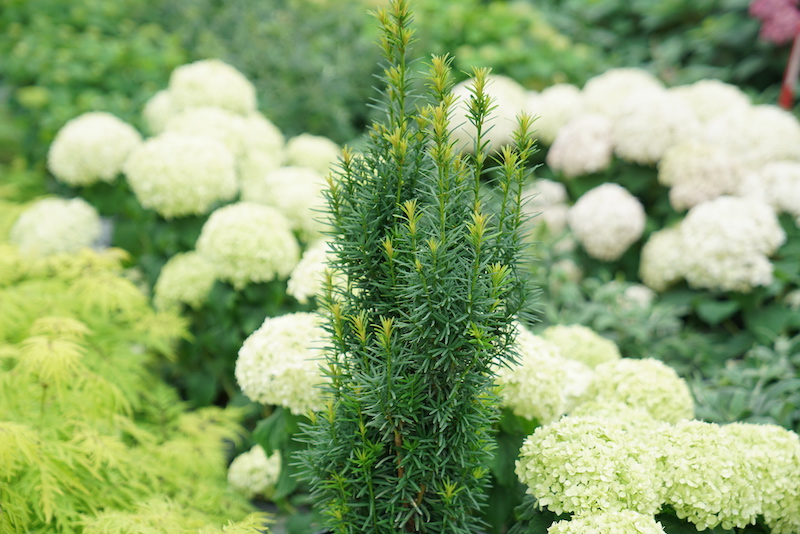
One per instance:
(553, 108)
(308, 277)
(583, 146)
(217, 123)
(727, 242)
(56, 225)
(709, 98)
(585, 465)
(607, 220)
(545, 201)
(178, 175)
(248, 242)
(637, 296)
(696, 172)
(264, 151)
(581, 343)
(661, 259)
(313, 151)
(541, 385)
(606, 92)
(253, 473)
(636, 416)
(211, 82)
(544, 192)
(509, 98)
(645, 383)
(649, 122)
(772, 461)
(186, 278)
(297, 193)
(778, 184)
(91, 148)
(705, 476)
(619, 522)
(157, 112)
(280, 363)
(756, 134)
(567, 270)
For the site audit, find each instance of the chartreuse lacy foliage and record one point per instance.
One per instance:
(91, 440)
(432, 288)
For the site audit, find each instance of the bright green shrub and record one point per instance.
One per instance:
(92, 440)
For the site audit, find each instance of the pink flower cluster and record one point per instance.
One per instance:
(780, 19)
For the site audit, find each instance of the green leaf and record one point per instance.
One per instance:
(714, 312)
(768, 322)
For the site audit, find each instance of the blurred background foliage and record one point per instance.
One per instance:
(313, 61)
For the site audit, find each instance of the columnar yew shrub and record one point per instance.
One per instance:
(432, 286)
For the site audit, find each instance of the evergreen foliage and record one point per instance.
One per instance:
(433, 284)
(90, 439)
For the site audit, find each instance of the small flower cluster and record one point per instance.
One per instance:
(307, 278)
(619, 522)
(583, 146)
(56, 225)
(178, 174)
(253, 473)
(581, 343)
(280, 363)
(607, 220)
(697, 172)
(211, 82)
(546, 202)
(642, 383)
(91, 148)
(296, 192)
(247, 242)
(541, 384)
(186, 278)
(721, 244)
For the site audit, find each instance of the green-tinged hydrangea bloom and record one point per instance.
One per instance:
(621, 522)
(90, 148)
(254, 473)
(217, 123)
(313, 151)
(187, 278)
(297, 193)
(56, 225)
(280, 363)
(158, 111)
(307, 278)
(705, 476)
(591, 464)
(646, 383)
(263, 149)
(661, 260)
(541, 385)
(178, 175)
(615, 409)
(772, 463)
(212, 82)
(581, 343)
(248, 242)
